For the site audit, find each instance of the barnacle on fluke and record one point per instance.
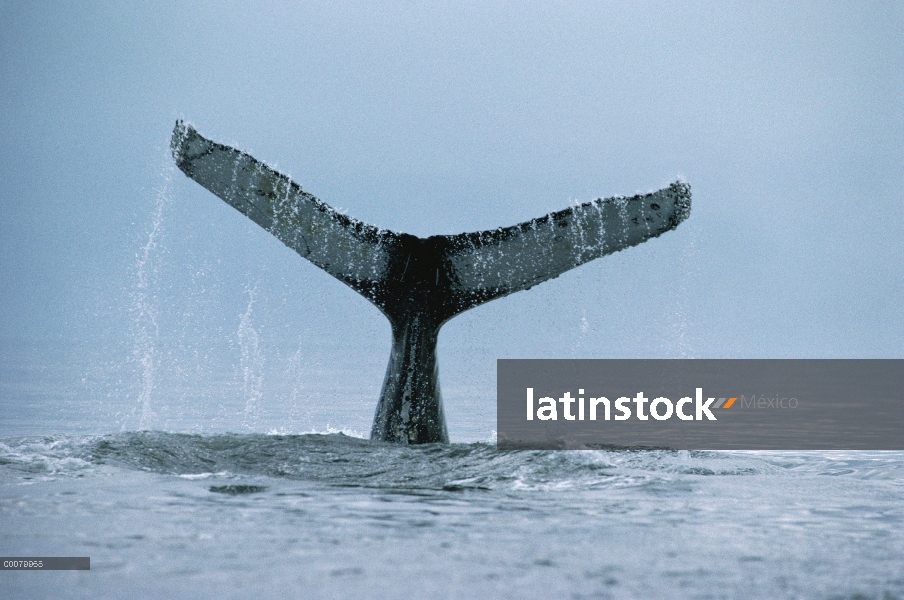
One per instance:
(420, 283)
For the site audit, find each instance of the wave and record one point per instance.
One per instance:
(340, 460)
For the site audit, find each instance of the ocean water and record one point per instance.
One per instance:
(213, 515)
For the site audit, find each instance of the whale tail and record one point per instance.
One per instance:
(420, 283)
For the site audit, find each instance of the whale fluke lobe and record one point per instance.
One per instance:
(420, 283)
(349, 250)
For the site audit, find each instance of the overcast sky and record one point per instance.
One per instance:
(786, 119)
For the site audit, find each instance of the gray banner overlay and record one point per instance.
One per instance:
(701, 404)
(45, 563)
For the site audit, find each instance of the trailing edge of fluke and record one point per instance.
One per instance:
(420, 283)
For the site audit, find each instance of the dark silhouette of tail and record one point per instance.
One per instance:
(420, 283)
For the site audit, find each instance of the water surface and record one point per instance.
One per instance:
(228, 516)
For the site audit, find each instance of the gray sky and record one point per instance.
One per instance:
(787, 121)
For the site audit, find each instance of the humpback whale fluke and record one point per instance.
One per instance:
(420, 283)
